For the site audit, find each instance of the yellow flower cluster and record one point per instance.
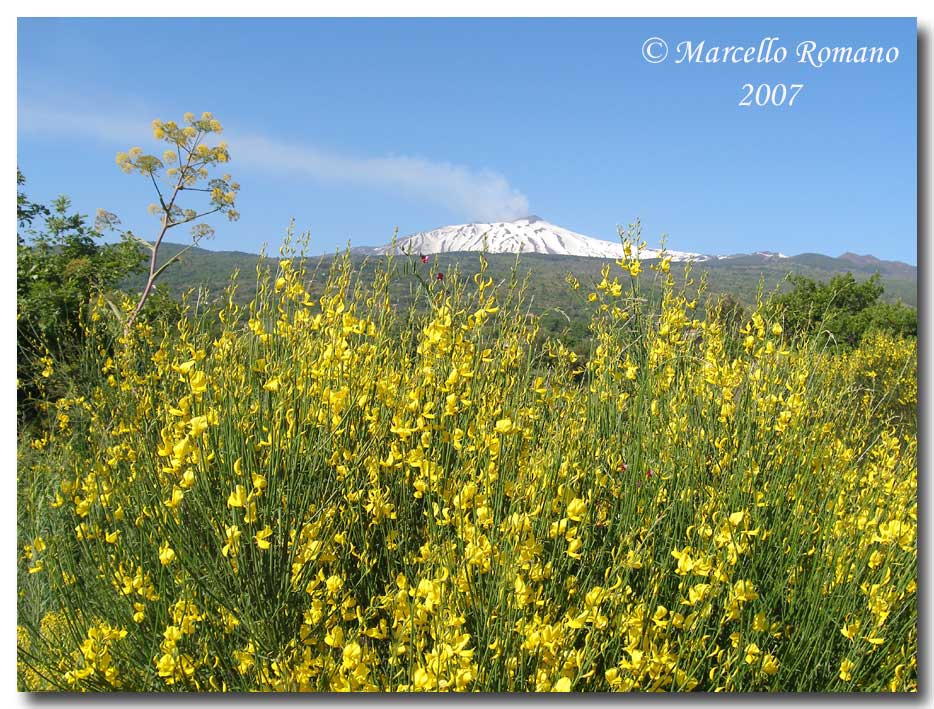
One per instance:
(318, 491)
(191, 160)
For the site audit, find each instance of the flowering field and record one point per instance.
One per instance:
(329, 493)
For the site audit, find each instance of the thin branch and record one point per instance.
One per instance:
(155, 250)
(197, 216)
(174, 258)
(139, 239)
(158, 191)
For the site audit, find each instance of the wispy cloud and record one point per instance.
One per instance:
(104, 126)
(478, 195)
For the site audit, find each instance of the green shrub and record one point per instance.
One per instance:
(59, 266)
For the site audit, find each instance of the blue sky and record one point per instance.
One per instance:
(356, 127)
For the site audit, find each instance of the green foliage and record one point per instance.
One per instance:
(26, 211)
(843, 309)
(59, 266)
(893, 319)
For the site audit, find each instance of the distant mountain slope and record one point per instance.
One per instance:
(739, 275)
(874, 264)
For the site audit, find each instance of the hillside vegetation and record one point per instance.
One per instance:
(739, 276)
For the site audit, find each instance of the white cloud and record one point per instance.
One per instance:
(476, 195)
(38, 118)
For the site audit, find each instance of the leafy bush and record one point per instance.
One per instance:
(843, 309)
(59, 266)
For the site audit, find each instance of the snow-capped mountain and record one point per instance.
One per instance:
(767, 255)
(530, 234)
